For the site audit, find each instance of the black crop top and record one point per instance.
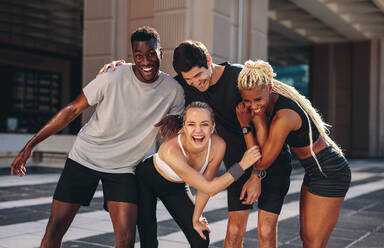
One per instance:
(300, 137)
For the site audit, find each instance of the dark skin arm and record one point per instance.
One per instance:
(260, 121)
(54, 125)
(252, 188)
(282, 124)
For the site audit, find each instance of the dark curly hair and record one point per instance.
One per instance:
(145, 33)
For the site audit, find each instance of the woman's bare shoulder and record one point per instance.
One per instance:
(218, 143)
(170, 146)
(286, 118)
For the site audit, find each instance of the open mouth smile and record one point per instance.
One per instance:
(147, 69)
(198, 138)
(257, 110)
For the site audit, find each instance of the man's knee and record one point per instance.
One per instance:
(309, 238)
(125, 234)
(125, 239)
(54, 232)
(235, 232)
(237, 224)
(267, 228)
(266, 232)
(124, 217)
(62, 214)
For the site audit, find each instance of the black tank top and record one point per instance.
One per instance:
(223, 97)
(300, 137)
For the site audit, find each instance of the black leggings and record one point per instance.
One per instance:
(176, 197)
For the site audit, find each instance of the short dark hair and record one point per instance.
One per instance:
(189, 54)
(145, 33)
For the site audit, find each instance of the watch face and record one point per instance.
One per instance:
(261, 174)
(245, 130)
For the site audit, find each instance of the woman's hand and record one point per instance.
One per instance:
(250, 157)
(200, 226)
(243, 115)
(111, 66)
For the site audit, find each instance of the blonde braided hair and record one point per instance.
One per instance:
(259, 73)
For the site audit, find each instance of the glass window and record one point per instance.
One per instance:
(294, 75)
(32, 98)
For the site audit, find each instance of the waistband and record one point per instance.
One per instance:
(329, 160)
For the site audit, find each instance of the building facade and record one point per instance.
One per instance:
(341, 42)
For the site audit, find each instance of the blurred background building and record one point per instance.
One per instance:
(330, 50)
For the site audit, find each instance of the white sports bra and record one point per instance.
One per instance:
(171, 173)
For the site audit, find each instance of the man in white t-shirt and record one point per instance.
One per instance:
(129, 102)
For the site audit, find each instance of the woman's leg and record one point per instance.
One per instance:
(318, 217)
(147, 223)
(181, 206)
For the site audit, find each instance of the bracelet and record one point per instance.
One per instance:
(236, 171)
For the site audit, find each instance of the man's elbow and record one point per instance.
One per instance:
(72, 111)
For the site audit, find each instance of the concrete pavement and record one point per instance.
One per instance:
(25, 204)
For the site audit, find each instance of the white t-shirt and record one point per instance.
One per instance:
(121, 130)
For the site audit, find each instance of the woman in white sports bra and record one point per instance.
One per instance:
(192, 157)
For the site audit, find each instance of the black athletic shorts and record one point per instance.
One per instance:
(77, 184)
(337, 175)
(274, 186)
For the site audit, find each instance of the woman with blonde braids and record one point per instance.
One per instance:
(281, 115)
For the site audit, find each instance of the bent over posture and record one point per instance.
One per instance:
(192, 157)
(294, 121)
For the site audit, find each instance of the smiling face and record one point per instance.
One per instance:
(198, 126)
(198, 77)
(147, 56)
(257, 99)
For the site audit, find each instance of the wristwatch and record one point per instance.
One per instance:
(260, 173)
(246, 130)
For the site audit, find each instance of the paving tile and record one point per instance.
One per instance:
(74, 233)
(92, 228)
(95, 225)
(27, 241)
(24, 228)
(81, 244)
(336, 242)
(107, 239)
(359, 222)
(374, 240)
(348, 234)
(288, 230)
